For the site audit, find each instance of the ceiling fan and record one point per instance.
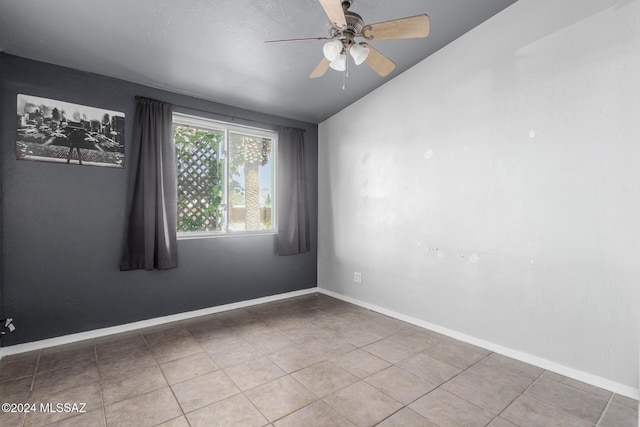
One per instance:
(345, 26)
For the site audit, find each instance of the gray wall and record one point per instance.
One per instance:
(63, 225)
(494, 192)
(1, 193)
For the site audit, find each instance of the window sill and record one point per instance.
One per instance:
(214, 235)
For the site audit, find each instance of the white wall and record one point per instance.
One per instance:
(494, 188)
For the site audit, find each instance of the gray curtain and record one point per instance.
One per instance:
(150, 231)
(293, 210)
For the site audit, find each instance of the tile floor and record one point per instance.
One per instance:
(306, 361)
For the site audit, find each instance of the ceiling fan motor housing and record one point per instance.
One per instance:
(354, 27)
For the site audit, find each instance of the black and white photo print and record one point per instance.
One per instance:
(56, 131)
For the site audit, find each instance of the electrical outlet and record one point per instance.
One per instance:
(357, 277)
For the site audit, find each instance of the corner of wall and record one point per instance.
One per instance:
(2, 55)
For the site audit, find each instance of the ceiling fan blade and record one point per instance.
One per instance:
(320, 69)
(378, 62)
(297, 40)
(333, 9)
(404, 28)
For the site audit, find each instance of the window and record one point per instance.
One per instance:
(226, 177)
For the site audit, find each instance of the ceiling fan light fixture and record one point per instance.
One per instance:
(359, 53)
(340, 63)
(332, 49)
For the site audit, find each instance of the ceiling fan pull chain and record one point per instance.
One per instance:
(345, 74)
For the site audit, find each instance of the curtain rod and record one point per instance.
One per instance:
(222, 116)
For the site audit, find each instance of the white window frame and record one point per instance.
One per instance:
(227, 128)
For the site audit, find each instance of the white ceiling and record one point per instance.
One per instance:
(214, 49)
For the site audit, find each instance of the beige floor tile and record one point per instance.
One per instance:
(501, 422)
(65, 378)
(312, 315)
(253, 330)
(238, 316)
(85, 398)
(389, 350)
(400, 384)
(165, 333)
(204, 390)
(358, 337)
(282, 321)
(271, 343)
(429, 369)
(335, 308)
(18, 368)
(203, 326)
(145, 410)
(446, 409)
(619, 416)
(406, 417)
(470, 347)
(568, 399)
(66, 358)
(625, 401)
(332, 323)
(14, 391)
(68, 346)
(188, 367)
(254, 372)
(454, 353)
(142, 381)
(303, 332)
(317, 414)
(212, 339)
(415, 340)
(231, 412)
(280, 397)
(360, 363)
(120, 336)
(363, 404)
(526, 411)
(118, 347)
(177, 349)
(176, 422)
(12, 419)
(480, 391)
(328, 347)
(363, 318)
(294, 358)
(118, 368)
(93, 418)
(324, 378)
(588, 388)
(506, 372)
(18, 390)
(233, 353)
(15, 356)
(386, 326)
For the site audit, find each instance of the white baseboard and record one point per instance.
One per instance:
(97, 333)
(615, 387)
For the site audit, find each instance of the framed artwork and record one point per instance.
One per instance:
(62, 132)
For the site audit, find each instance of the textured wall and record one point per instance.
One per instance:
(63, 226)
(493, 188)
